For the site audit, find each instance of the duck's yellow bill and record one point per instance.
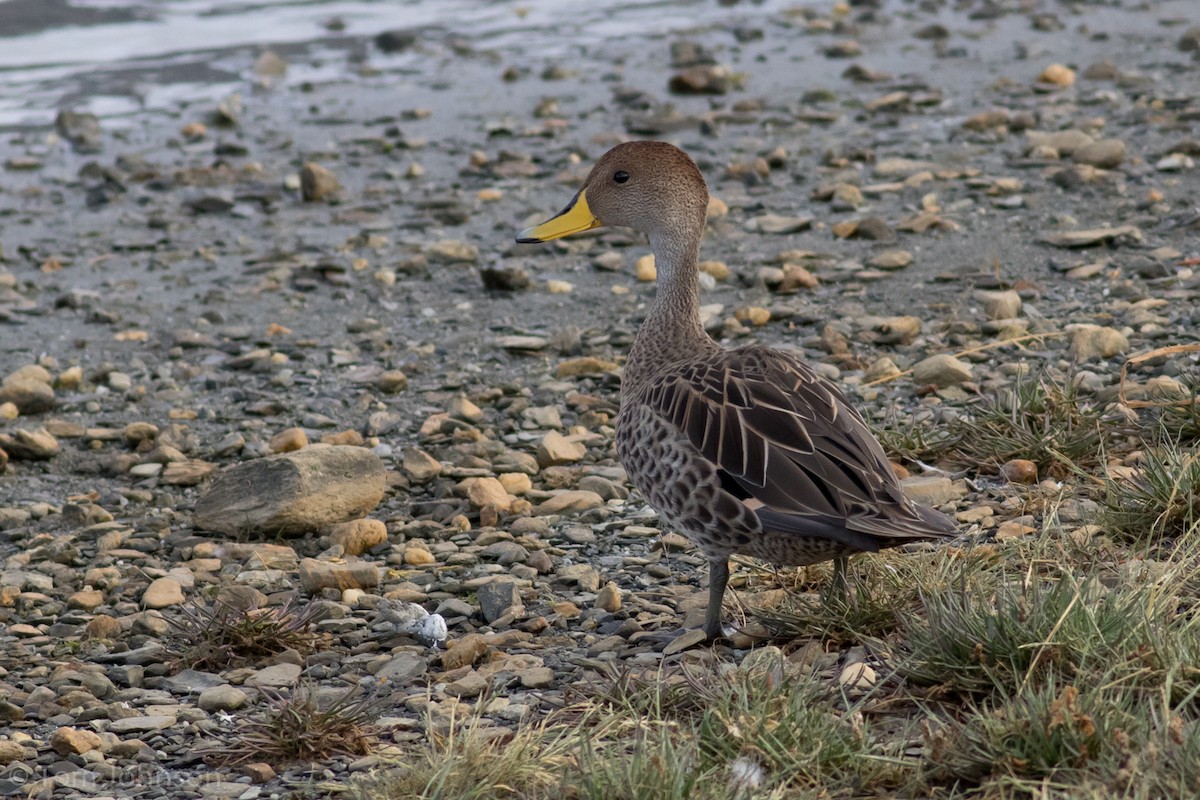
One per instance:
(574, 218)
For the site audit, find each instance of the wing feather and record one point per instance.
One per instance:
(800, 454)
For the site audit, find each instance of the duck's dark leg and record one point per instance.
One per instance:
(718, 578)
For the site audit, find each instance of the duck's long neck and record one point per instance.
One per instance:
(672, 329)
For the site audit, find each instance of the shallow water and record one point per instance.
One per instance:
(114, 57)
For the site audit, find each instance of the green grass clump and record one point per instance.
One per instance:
(1160, 502)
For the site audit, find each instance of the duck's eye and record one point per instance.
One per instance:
(620, 176)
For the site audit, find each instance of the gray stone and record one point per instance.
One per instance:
(275, 676)
(497, 598)
(222, 698)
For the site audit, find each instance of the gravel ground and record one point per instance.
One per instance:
(927, 201)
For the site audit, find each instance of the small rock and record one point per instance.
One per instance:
(859, 676)
(25, 445)
(999, 304)
(941, 370)
(497, 598)
(72, 741)
(418, 556)
(568, 501)
(536, 677)
(932, 490)
(452, 251)
(774, 223)
(317, 182)
(1105, 153)
(1020, 470)
(221, 698)
(1013, 530)
(1093, 342)
(484, 492)
(464, 652)
(358, 536)
(890, 259)
(102, 627)
(258, 772)
(645, 269)
(28, 395)
(317, 575)
(276, 676)
(556, 449)
(403, 669)
(470, 685)
(753, 315)
(420, 466)
(391, 381)
(163, 592)
(609, 598)
(288, 441)
(11, 751)
(1057, 75)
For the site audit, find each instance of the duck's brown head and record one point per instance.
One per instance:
(653, 187)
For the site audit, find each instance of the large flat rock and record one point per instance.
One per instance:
(293, 493)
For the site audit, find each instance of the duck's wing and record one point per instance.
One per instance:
(790, 447)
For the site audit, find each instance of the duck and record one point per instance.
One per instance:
(745, 451)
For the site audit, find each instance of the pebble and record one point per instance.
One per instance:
(497, 598)
(645, 270)
(859, 677)
(1105, 153)
(891, 259)
(941, 370)
(29, 445)
(1057, 75)
(73, 741)
(317, 575)
(222, 698)
(930, 490)
(162, 593)
(556, 449)
(30, 396)
(483, 492)
(609, 598)
(358, 536)
(276, 676)
(287, 441)
(1004, 304)
(317, 182)
(1020, 470)
(1096, 343)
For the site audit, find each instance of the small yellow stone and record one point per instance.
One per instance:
(1058, 75)
(287, 441)
(646, 270)
(9, 411)
(515, 482)
(753, 315)
(718, 269)
(717, 208)
(488, 195)
(418, 557)
(70, 378)
(559, 287)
